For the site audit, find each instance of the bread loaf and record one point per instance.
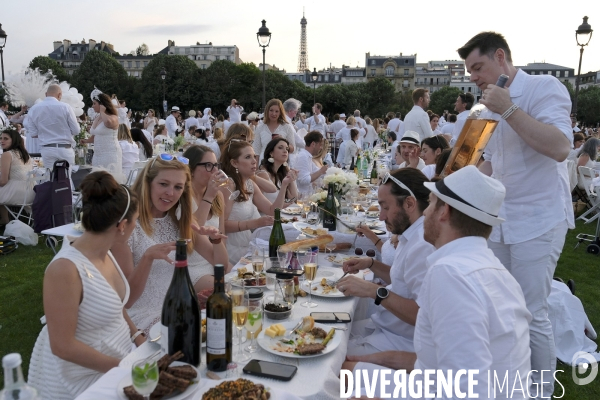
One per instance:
(313, 242)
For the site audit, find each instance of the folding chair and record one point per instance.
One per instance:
(138, 166)
(586, 175)
(33, 177)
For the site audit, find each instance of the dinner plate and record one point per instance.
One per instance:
(154, 332)
(233, 277)
(193, 388)
(268, 343)
(339, 259)
(301, 226)
(292, 210)
(317, 289)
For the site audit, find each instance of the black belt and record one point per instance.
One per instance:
(66, 146)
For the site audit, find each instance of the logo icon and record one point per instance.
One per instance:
(587, 365)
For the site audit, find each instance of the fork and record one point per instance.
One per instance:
(333, 284)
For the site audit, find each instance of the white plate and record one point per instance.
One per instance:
(267, 343)
(318, 289)
(302, 225)
(292, 210)
(233, 276)
(339, 259)
(126, 381)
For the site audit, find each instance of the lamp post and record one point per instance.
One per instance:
(583, 35)
(2, 43)
(163, 75)
(264, 38)
(314, 76)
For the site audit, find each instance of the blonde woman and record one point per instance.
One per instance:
(130, 149)
(150, 121)
(274, 125)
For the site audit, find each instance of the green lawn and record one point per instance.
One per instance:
(21, 275)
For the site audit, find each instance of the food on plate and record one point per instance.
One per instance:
(373, 208)
(242, 271)
(292, 210)
(338, 247)
(339, 259)
(308, 323)
(326, 287)
(318, 333)
(249, 277)
(238, 389)
(275, 330)
(313, 242)
(310, 348)
(184, 371)
(287, 220)
(305, 342)
(313, 232)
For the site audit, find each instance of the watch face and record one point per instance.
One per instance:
(382, 292)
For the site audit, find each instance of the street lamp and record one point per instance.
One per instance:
(264, 38)
(314, 76)
(163, 75)
(583, 35)
(2, 43)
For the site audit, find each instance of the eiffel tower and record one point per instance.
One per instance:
(303, 53)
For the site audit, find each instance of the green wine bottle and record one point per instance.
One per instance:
(218, 325)
(329, 219)
(277, 237)
(352, 166)
(374, 176)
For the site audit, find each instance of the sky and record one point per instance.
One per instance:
(339, 32)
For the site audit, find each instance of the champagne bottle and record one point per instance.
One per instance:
(374, 176)
(329, 221)
(352, 166)
(180, 318)
(218, 325)
(277, 237)
(15, 387)
(357, 164)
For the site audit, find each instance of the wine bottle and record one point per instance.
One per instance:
(180, 320)
(357, 164)
(374, 176)
(15, 387)
(218, 325)
(329, 221)
(277, 237)
(352, 166)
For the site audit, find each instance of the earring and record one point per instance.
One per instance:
(271, 160)
(237, 171)
(122, 233)
(285, 164)
(178, 212)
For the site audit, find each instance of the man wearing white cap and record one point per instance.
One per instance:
(526, 153)
(408, 151)
(339, 123)
(171, 122)
(472, 313)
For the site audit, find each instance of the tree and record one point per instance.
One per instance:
(588, 105)
(444, 99)
(380, 95)
(101, 70)
(45, 64)
(142, 50)
(570, 90)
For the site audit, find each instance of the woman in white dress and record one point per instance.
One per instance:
(15, 165)
(107, 152)
(144, 146)
(274, 167)
(87, 330)
(274, 125)
(150, 121)
(160, 135)
(431, 148)
(588, 153)
(165, 189)
(241, 214)
(371, 136)
(130, 150)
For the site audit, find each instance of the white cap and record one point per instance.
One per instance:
(12, 360)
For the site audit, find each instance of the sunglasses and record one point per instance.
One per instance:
(168, 157)
(397, 182)
(209, 166)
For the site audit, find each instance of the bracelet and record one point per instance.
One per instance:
(510, 111)
(372, 262)
(214, 241)
(378, 240)
(209, 202)
(135, 335)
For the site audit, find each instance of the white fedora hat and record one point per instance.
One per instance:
(472, 193)
(411, 137)
(342, 115)
(174, 108)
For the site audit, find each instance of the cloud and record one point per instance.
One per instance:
(173, 29)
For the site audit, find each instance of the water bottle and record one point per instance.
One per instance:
(15, 387)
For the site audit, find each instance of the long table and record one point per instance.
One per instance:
(317, 378)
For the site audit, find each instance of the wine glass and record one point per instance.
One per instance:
(313, 216)
(305, 257)
(239, 303)
(226, 181)
(330, 246)
(144, 376)
(254, 322)
(258, 262)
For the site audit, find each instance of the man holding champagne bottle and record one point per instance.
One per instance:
(526, 153)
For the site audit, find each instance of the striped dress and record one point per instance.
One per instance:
(100, 325)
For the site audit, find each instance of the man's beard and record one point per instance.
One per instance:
(431, 231)
(400, 224)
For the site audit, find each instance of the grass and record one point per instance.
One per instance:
(21, 276)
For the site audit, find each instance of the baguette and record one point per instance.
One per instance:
(313, 242)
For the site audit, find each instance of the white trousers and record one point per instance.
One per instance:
(532, 263)
(52, 154)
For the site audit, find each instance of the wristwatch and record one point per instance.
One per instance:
(382, 293)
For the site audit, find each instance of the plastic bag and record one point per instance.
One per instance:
(22, 232)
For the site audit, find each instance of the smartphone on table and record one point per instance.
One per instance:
(331, 317)
(268, 369)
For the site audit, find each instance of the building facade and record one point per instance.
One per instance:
(399, 70)
(204, 54)
(563, 74)
(134, 65)
(455, 67)
(464, 84)
(431, 77)
(589, 79)
(70, 55)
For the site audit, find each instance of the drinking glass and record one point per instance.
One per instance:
(313, 217)
(254, 322)
(330, 246)
(305, 257)
(239, 303)
(226, 181)
(258, 262)
(144, 376)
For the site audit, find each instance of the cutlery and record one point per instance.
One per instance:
(333, 284)
(356, 236)
(288, 334)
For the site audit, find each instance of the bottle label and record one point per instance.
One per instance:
(164, 338)
(216, 333)
(180, 264)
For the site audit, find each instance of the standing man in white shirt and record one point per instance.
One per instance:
(527, 153)
(417, 119)
(171, 122)
(235, 111)
(339, 123)
(317, 121)
(191, 120)
(308, 170)
(3, 117)
(463, 104)
(361, 122)
(54, 124)
(448, 127)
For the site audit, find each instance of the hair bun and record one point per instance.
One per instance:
(98, 186)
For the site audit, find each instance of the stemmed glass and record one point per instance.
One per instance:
(254, 322)
(226, 181)
(239, 302)
(258, 262)
(144, 376)
(305, 257)
(313, 217)
(330, 246)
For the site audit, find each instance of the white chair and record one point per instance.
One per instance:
(138, 166)
(586, 175)
(34, 177)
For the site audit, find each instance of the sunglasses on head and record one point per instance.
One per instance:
(397, 182)
(169, 157)
(239, 141)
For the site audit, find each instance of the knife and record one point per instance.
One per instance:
(336, 217)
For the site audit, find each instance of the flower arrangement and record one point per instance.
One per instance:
(179, 142)
(343, 181)
(320, 197)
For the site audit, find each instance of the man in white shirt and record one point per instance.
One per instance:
(391, 327)
(359, 121)
(448, 127)
(527, 153)
(235, 111)
(395, 124)
(317, 121)
(191, 120)
(308, 170)
(463, 104)
(407, 154)
(339, 123)
(3, 117)
(54, 124)
(171, 122)
(291, 107)
(472, 313)
(417, 119)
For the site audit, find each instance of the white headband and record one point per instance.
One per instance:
(95, 95)
(128, 203)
